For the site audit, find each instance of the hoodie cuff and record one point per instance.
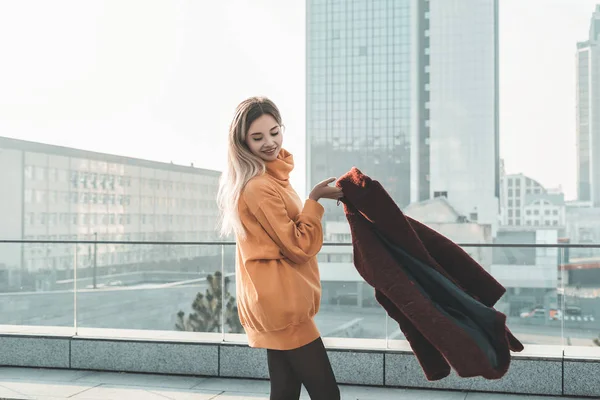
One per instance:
(314, 209)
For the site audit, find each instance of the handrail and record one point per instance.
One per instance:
(332, 244)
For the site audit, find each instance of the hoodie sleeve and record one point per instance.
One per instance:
(298, 239)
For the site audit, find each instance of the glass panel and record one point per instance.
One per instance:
(530, 276)
(36, 285)
(348, 305)
(581, 308)
(232, 328)
(149, 287)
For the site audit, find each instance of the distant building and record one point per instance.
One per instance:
(526, 203)
(60, 193)
(588, 114)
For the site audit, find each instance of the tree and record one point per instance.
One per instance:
(208, 309)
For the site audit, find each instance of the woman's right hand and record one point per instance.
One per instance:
(322, 190)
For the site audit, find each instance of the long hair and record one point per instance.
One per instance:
(242, 165)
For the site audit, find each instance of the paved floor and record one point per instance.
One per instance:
(50, 384)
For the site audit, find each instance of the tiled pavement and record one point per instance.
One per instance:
(52, 384)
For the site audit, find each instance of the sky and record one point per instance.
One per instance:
(160, 79)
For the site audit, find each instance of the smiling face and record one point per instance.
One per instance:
(265, 137)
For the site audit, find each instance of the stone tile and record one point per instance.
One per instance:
(498, 396)
(581, 378)
(40, 374)
(186, 394)
(11, 394)
(29, 351)
(526, 376)
(118, 392)
(132, 356)
(241, 396)
(358, 368)
(243, 362)
(235, 385)
(145, 380)
(45, 389)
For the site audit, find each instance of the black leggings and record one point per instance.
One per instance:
(308, 366)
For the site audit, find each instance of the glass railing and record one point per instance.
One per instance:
(187, 290)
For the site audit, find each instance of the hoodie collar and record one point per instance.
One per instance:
(281, 167)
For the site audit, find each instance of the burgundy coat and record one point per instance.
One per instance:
(441, 298)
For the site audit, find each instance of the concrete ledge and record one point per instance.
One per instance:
(357, 367)
(145, 356)
(525, 376)
(581, 378)
(237, 361)
(35, 351)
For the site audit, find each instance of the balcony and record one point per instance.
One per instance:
(114, 307)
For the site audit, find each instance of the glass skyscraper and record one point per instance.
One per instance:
(407, 91)
(588, 116)
(363, 92)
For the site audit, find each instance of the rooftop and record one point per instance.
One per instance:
(55, 384)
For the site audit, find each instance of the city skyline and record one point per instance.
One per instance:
(145, 92)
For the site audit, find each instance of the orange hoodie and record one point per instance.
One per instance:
(277, 276)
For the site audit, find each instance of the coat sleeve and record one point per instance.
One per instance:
(298, 239)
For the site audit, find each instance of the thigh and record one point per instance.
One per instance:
(312, 366)
(285, 385)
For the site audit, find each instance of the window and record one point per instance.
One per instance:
(74, 219)
(547, 212)
(510, 213)
(28, 172)
(440, 194)
(554, 212)
(536, 212)
(510, 193)
(43, 218)
(28, 195)
(528, 212)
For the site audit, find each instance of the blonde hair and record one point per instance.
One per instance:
(242, 165)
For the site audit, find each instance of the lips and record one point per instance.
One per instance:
(270, 152)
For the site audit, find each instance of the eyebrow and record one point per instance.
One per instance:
(260, 133)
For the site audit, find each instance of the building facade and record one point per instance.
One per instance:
(362, 93)
(525, 203)
(58, 193)
(406, 91)
(464, 106)
(588, 114)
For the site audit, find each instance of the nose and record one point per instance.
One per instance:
(270, 142)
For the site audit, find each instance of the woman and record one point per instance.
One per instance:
(278, 238)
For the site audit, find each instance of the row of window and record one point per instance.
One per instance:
(517, 213)
(54, 219)
(517, 192)
(532, 223)
(170, 236)
(109, 181)
(55, 197)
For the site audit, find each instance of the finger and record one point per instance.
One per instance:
(327, 181)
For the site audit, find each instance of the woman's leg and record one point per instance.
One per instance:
(284, 383)
(311, 365)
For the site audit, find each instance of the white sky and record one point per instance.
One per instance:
(160, 79)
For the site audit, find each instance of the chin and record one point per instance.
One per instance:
(273, 157)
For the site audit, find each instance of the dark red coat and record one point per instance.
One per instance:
(441, 298)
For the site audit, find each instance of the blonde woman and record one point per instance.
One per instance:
(278, 238)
